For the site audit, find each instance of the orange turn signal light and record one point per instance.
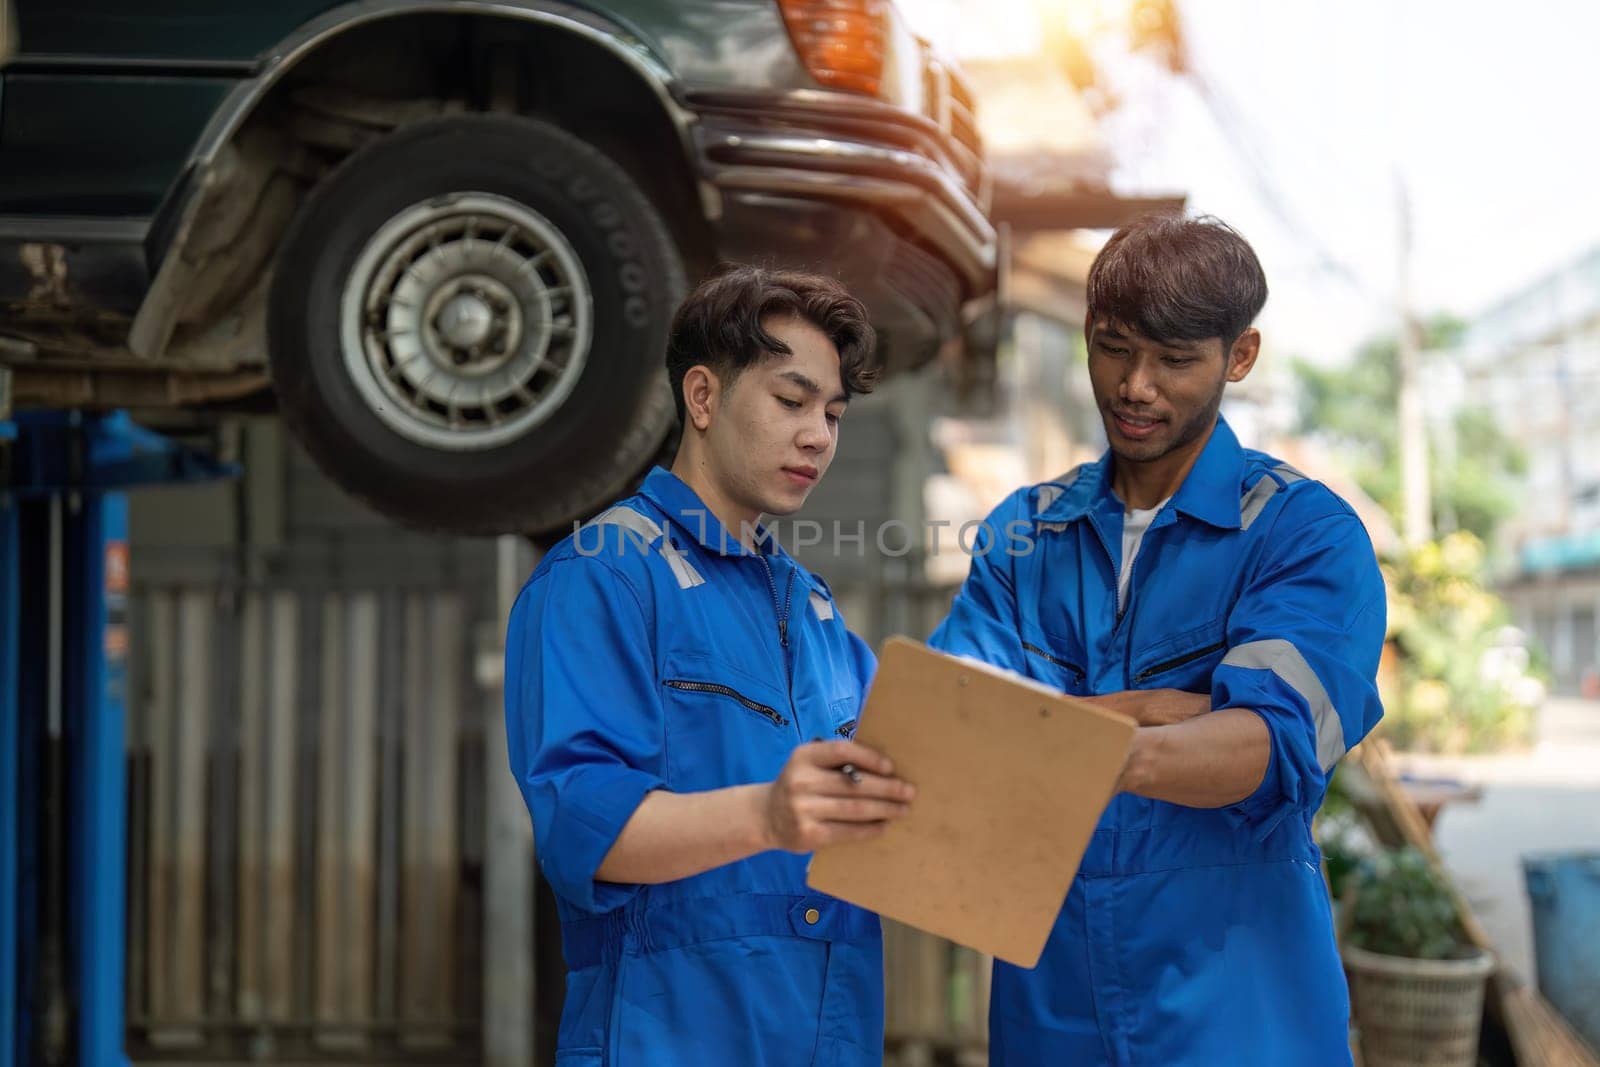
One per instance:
(841, 42)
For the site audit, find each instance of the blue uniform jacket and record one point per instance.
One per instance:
(651, 651)
(1190, 936)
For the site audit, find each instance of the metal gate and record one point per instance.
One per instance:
(306, 831)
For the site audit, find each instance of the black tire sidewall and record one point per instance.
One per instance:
(635, 278)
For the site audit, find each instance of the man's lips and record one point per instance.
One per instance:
(802, 475)
(1131, 425)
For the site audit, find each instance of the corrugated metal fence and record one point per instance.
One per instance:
(305, 817)
(936, 1001)
(306, 836)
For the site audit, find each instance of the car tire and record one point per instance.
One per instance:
(467, 323)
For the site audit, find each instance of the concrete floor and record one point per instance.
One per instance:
(1546, 799)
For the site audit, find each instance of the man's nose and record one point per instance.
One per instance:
(814, 435)
(1139, 384)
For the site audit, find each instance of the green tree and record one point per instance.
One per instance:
(1457, 685)
(1473, 471)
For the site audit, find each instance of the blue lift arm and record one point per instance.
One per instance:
(63, 644)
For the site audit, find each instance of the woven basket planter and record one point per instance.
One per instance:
(1417, 1013)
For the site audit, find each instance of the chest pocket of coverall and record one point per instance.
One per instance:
(1183, 661)
(842, 714)
(724, 726)
(1058, 661)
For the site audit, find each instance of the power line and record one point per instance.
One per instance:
(1230, 124)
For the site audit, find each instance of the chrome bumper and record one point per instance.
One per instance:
(826, 146)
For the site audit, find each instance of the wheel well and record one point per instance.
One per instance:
(377, 76)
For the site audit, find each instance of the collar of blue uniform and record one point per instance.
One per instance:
(1210, 493)
(689, 513)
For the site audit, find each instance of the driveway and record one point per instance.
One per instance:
(1544, 799)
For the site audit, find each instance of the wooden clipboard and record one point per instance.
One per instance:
(1011, 778)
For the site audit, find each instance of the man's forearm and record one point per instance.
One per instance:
(1209, 761)
(1154, 707)
(679, 835)
(808, 806)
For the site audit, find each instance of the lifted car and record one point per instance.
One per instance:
(447, 236)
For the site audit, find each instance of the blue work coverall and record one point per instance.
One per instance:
(650, 650)
(1190, 936)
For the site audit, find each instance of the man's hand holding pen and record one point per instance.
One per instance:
(832, 791)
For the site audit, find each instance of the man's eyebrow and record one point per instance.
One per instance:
(1111, 333)
(810, 386)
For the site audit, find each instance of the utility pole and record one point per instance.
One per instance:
(1415, 488)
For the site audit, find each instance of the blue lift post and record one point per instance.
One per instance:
(63, 707)
(10, 736)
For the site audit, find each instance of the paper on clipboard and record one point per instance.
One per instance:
(1011, 778)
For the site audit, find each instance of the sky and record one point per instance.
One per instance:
(1303, 120)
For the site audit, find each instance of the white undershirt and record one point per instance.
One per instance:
(1135, 521)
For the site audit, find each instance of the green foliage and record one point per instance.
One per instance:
(1338, 831)
(1464, 682)
(1401, 908)
(1474, 470)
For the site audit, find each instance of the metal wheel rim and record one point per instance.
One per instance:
(425, 281)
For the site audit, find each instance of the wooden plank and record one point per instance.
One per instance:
(1540, 1036)
(251, 932)
(266, 813)
(918, 966)
(281, 775)
(417, 967)
(391, 721)
(347, 841)
(435, 653)
(969, 995)
(137, 965)
(191, 731)
(358, 897)
(985, 997)
(330, 1005)
(158, 741)
(219, 813)
(449, 640)
(508, 930)
(1377, 760)
(310, 649)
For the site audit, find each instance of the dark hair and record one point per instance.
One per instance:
(719, 325)
(1176, 279)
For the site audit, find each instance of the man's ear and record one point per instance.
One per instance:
(701, 392)
(1242, 355)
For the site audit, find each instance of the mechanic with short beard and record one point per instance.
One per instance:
(680, 697)
(1234, 608)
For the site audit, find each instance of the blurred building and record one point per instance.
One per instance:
(935, 451)
(1534, 360)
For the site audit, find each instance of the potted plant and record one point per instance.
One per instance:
(1416, 981)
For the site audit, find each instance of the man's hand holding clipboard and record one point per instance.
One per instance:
(1011, 778)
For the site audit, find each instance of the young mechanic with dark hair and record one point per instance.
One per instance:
(680, 695)
(1234, 608)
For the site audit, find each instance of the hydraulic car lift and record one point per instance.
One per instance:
(63, 779)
